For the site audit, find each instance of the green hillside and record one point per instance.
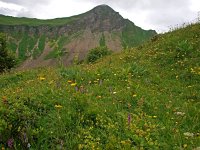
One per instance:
(9, 20)
(141, 98)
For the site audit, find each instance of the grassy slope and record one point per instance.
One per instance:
(146, 98)
(133, 36)
(8, 20)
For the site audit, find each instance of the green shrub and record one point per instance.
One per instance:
(97, 53)
(7, 61)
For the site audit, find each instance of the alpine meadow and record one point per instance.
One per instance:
(96, 81)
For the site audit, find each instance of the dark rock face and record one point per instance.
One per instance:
(103, 18)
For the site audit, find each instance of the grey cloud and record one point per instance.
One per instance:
(13, 12)
(124, 4)
(143, 4)
(27, 2)
(170, 13)
(23, 13)
(173, 18)
(9, 12)
(30, 7)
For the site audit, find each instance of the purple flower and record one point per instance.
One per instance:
(10, 142)
(1, 137)
(129, 119)
(100, 82)
(110, 89)
(76, 88)
(25, 138)
(61, 144)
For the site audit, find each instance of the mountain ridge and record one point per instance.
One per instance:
(74, 36)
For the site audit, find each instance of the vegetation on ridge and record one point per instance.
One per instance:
(8, 20)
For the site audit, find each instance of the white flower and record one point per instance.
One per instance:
(180, 113)
(188, 134)
(28, 145)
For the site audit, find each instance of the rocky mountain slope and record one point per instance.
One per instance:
(40, 42)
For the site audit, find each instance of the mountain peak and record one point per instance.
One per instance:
(103, 6)
(103, 18)
(103, 9)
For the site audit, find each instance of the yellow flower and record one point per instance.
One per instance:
(73, 84)
(99, 96)
(134, 95)
(51, 82)
(80, 146)
(4, 97)
(41, 78)
(69, 81)
(58, 106)
(184, 145)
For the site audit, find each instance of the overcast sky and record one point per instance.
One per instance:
(148, 14)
